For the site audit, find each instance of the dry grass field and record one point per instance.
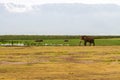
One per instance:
(60, 63)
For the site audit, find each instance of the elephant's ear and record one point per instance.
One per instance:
(83, 37)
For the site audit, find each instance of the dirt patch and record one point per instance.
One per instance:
(6, 62)
(74, 60)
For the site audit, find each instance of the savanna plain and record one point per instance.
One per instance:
(60, 63)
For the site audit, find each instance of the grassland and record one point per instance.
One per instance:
(60, 63)
(29, 40)
(72, 42)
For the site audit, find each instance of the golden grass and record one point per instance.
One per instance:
(60, 63)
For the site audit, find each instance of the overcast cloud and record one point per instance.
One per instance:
(60, 17)
(29, 3)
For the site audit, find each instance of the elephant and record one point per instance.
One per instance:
(87, 39)
(66, 40)
(39, 40)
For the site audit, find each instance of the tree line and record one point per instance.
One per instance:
(36, 37)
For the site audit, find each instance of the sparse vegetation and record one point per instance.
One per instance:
(60, 62)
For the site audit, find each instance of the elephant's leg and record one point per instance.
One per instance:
(90, 44)
(85, 43)
(93, 43)
(80, 43)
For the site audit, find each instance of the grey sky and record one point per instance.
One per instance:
(61, 19)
